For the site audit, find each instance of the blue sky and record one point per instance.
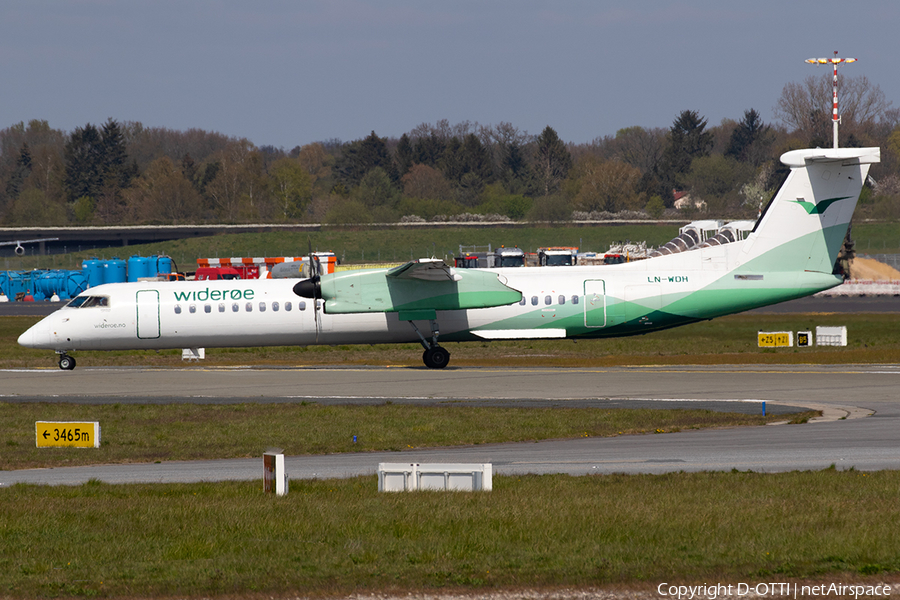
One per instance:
(287, 73)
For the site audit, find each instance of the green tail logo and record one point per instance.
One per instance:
(821, 207)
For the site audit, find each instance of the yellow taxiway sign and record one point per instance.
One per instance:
(58, 434)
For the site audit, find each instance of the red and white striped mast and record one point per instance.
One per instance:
(835, 119)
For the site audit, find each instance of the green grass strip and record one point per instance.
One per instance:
(158, 432)
(342, 536)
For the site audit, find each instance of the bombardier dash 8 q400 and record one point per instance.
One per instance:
(790, 253)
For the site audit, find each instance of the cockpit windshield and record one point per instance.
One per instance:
(88, 301)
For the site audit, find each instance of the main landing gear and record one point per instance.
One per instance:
(66, 362)
(435, 356)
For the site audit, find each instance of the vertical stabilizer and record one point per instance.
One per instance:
(805, 224)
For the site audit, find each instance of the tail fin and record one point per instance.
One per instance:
(804, 226)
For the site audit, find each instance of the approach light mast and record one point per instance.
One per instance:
(835, 119)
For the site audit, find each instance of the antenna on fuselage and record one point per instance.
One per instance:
(835, 118)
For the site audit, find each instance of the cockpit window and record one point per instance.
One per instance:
(88, 301)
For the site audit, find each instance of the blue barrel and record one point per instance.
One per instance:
(93, 271)
(114, 271)
(163, 265)
(138, 267)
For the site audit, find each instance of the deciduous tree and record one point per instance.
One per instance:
(426, 183)
(292, 187)
(595, 184)
(162, 194)
(806, 108)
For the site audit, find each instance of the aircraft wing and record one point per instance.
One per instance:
(423, 285)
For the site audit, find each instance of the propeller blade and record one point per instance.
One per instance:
(317, 290)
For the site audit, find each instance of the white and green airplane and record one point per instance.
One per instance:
(790, 253)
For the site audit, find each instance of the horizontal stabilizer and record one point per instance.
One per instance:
(799, 158)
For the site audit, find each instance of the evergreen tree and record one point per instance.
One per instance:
(20, 174)
(361, 156)
(114, 156)
(687, 141)
(475, 158)
(553, 161)
(749, 132)
(404, 156)
(84, 167)
(429, 150)
(452, 162)
(97, 162)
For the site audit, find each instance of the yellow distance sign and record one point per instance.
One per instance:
(67, 434)
(775, 339)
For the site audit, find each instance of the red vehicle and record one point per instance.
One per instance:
(210, 273)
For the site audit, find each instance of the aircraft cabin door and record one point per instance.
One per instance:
(594, 303)
(147, 314)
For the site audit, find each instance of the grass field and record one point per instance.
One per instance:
(164, 432)
(335, 537)
(342, 536)
(401, 244)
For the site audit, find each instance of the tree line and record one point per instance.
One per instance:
(125, 173)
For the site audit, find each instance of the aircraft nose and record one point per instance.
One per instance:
(27, 338)
(36, 336)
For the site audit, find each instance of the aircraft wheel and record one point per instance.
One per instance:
(436, 357)
(66, 362)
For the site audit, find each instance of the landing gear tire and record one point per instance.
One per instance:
(436, 357)
(66, 362)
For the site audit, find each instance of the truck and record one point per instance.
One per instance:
(508, 257)
(558, 256)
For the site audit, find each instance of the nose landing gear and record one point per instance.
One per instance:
(66, 362)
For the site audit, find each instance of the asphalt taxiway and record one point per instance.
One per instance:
(860, 428)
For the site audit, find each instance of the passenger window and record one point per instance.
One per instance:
(574, 299)
(274, 307)
(249, 307)
(177, 309)
(287, 306)
(221, 307)
(262, 307)
(192, 308)
(301, 305)
(523, 301)
(235, 307)
(534, 301)
(548, 300)
(207, 308)
(562, 299)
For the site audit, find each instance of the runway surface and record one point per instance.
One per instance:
(860, 429)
